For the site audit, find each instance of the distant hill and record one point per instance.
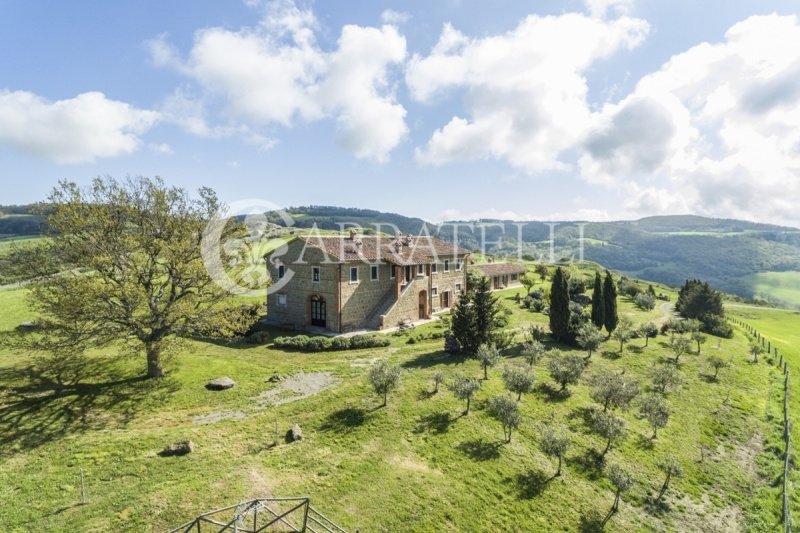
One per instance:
(728, 253)
(19, 220)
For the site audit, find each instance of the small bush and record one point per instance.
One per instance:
(368, 341)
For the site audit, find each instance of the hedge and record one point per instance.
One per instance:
(304, 343)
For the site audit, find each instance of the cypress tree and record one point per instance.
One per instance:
(598, 305)
(559, 306)
(485, 307)
(463, 324)
(610, 317)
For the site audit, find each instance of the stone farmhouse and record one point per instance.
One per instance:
(343, 284)
(502, 275)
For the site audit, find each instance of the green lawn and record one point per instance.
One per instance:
(20, 240)
(777, 287)
(415, 465)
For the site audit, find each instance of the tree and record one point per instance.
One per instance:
(532, 351)
(610, 317)
(555, 442)
(648, 330)
(609, 427)
(132, 270)
(464, 389)
(528, 282)
(699, 338)
(598, 302)
(463, 328)
(665, 377)
(518, 380)
(679, 345)
(559, 306)
(384, 378)
(671, 468)
(438, 379)
(612, 390)
(654, 409)
(623, 333)
(698, 300)
(487, 355)
(542, 270)
(717, 363)
(506, 411)
(566, 369)
(589, 338)
(755, 351)
(621, 480)
(645, 301)
(486, 309)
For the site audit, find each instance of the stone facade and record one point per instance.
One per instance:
(313, 288)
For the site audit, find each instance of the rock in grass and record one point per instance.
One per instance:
(222, 383)
(294, 434)
(275, 378)
(179, 448)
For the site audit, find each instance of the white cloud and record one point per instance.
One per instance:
(601, 8)
(76, 130)
(390, 16)
(715, 131)
(161, 148)
(277, 74)
(525, 90)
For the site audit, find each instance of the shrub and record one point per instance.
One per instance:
(304, 343)
(259, 337)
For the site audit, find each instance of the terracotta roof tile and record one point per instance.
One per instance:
(398, 250)
(500, 269)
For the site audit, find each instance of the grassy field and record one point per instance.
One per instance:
(415, 465)
(776, 287)
(7, 242)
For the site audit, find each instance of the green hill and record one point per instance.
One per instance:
(416, 465)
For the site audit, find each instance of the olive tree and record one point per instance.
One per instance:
(699, 338)
(589, 338)
(464, 389)
(384, 378)
(505, 410)
(438, 379)
(623, 333)
(488, 356)
(648, 330)
(566, 369)
(717, 363)
(654, 409)
(755, 351)
(555, 442)
(609, 427)
(533, 351)
(518, 380)
(679, 345)
(621, 481)
(671, 468)
(613, 390)
(665, 377)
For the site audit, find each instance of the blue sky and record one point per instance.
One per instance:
(602, 109)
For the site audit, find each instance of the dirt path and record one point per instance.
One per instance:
(667, 312)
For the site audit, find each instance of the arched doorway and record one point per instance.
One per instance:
(423, 304)
(318, 311)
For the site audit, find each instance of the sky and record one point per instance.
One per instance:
(442, 109)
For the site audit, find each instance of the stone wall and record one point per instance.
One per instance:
(298, 286)
(361, 299)
(407, 306)
(447, 281)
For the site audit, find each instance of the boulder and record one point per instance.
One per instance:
(222, 383)
(294, 434)
(179, 448)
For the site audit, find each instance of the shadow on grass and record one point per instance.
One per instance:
(426, 360)
(709, 378)
(435, 423)
(425, 394)
(634, 349)
(657, 507)
(532, 483)
(480, 450)
(344, 420)
(592, 522)
(644, 443)
(590, 464)
(552, 394)
(612, 355)
(57, 397)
